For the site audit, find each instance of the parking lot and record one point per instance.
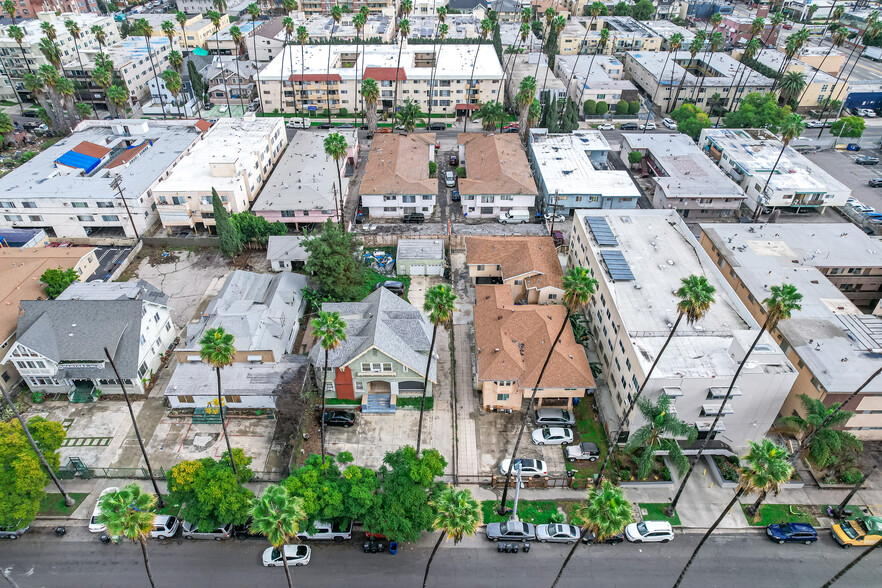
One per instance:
(109, 258)
(841, 165)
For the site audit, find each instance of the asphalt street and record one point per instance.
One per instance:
(735, 560)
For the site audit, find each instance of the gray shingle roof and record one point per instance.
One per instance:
(386, 322)
(139, 290)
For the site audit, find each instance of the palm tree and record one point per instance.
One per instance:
(696, 295)
(129, 513)
(403, 32)
(557, 25)
(331, 332)
(458, 516)
(750, 49)
(215, 17)
(827, 442)
(336, 147)
(302, 38)
(173, 84)
(176, 61)
(219, 5)
(181, 19)
(770, 468)
(838, 36)
(276, 514)
(370, 92)
(168, 29)
(408, 116)
(144, 29)
(358, 21)
(694, 47)
(336, 15)
(595, 9)
(523, 34)
(119, 97)
(716, 43)
(34, 84)
(715, 20)
(550, 15)
(524, 99)
(238, 41)
(491, 115)
(578, 287)
(776, 21)
(103, 77)
(18, 35)
(486, 28)
(254, 12)
(288, 27)
(217, 348)
(10, 9)
(439, 305)
(836, 13)
(794, 44)
(50, 77)
(792, 84)
(49, 30)
(791, 128)
(784, 299)
(606, 513)
(441, 12)
(659, 432)
(674, 44)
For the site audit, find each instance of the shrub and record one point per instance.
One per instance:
(851, 476)
(728, 467)
(415, 402)
(622, 107)
(433, 167)
(602, 107)
(37, 396)
(590, 107)
(633, 107)
(343, 112)
(635, 157)
(558, 517)
(460, 172)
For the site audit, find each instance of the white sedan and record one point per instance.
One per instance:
(94, 525)
(552, 436)
(552, 533)
(297, 555)
(670, 123)
(606, 127)
(529, 468)
(649, 532)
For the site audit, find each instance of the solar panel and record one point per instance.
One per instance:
(618, 267)
(600, 228)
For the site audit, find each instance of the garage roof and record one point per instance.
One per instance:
(420, 249)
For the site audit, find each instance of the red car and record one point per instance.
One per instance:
(787, 26)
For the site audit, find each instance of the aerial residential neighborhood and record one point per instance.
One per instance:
(402, 292)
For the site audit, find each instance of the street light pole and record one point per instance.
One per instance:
(116, 184)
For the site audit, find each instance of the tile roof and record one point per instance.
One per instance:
(203, 125)
(512, 342)
(495, 164)
(518, 256)
(130, 154)
(399, 164)
(384, 74)
(91, 149)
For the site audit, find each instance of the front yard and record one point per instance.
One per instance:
(589, 428)
(529, 511)
(781, 513)
(53, 505)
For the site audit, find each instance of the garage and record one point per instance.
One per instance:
(420, 257)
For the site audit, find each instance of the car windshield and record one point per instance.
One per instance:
(565, 414)
(277, 553)
(641, 528)
(849, 531)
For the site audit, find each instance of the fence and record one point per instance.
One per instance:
(159, 473)
(182, 242)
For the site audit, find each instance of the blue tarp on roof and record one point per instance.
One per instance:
(74, 159)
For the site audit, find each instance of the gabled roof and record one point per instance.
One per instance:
(91, 149)
(139, 290)
(518, 256)
(386, 322)
(495, 164)
(130, 153)
(203, 125)
(399, 164)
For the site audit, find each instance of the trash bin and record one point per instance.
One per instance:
(526, 546)
(393, 547)
(500, 547)
(366, 546)
(514, 548)
(508, 547)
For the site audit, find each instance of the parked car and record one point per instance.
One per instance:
(393, 286)
(346, 126)
(165, 527)
(555, 416)
(628, 127)
(558, 218)
(511, 531)
(31, 125)
(814, 124)
(449, 179)
(514, 217)
(223, 108)
(30, 114)
(649, 532)
(555, 533)
(875, 182)
(650, 126)
(510, 126)
(340, 418)
(13, 533)
(792, 533)
(611, 540)
(297, 555)
(383, 130)
(530, 468)
(552, 436)
(454, 196)
(219, 534)
(338, 531)
(787, 26)
(867, 160)
(510, 130)
(94, 525)
(852, 147)
(454, 160)
(670, 123)
(438, 126)
(326, 125)
(414, 218)
(586, 450)
(865, 531)
(606, 127)
(558, 237)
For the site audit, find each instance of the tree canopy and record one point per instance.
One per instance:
(854, 126)
(643, 10)
(56, 281)
(758, 111)
(230, 244)
(332, 261)
(208, 490)
(690, 120)
(254, 228)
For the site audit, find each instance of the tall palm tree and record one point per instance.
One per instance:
(370, 92)
(715, 43)
(276, 514)
(217, 349)
(492, 114)
(784, 299)
(441, 12)
(771, 467)
(694, 47)
(144, 29)
(288, 26)
(49, 76)
(606, 513)
(674, 44)
(18, 35)
(524, 99)
(595, 10)
(68, 94)
(408, 116)
(103, 77)
(336, 15)
(176, 61)
(715, 21)
(181, 19)
(486, 29)
(254, 12)
(330, 329)
(439, 305)
(302, 38)
(173, 84)
(604, 37)
(776, 21)
(794, 44)
(336, 147)
(458, 516)
(238, 40)
(119, 97)
(550, 14)
(578, 287)
(828, 441)
(129, 513)
(557, 25)
(838, 36)
(359, 21)
(403, 32)
(35, 85)
(168, 29)
(835, 13)
(219, 5)
(750, 49)
(791, 128)
(10, 9)
(659, 433)
(696, 295)
(792, 85)
(49, 31)
(215, 17)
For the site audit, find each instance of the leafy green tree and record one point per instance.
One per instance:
(252, 228)
(196, 81)
(459, 516)
(634, 157)
(633, 107)
(606, 513)
(25, 458)
(407, 482)
(332, 261)
(439, 305)
(622, 9)
(758, 111)
(602, 107)
(276, 515)
(217, 349)
(230, 244)
(570, 119)
(56, 281)
(661, 431)
(622, 107)
(551, 121)
(330, 330)
(209, 491)
(129, 513)
(853, 126)
(329, 492)
(589, 107)
(643, 10)
(828, 444)
(691, 120)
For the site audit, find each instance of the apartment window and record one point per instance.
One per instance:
(502, 397)
(7, 205)
(518, 282)
(552, 296)
(80, 204)
(36, 218)
(408, 199)
(109, 217)
(480, 268)
(85, 217)
(618, 366)
(179, 200)
(389, 209)
(13, 217)
(359, 386)
(486, 199)
(105, 205)
(233, 399)
(376, 367)
(185, 399)
(29, 205)
(628, 364)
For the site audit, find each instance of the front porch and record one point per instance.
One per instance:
(83, 391)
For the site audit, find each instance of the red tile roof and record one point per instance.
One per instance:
(384, 74)
(127, 155)
(468, 106)
(203, 125)
(91, 149)
(315, 78)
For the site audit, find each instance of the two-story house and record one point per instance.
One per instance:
(384, 354)
(528, 265)
(396, 178)
(498, 177)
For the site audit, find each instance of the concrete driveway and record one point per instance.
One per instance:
(496, 434)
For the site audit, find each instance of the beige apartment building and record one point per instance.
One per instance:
(823, 85)
(198, 28)
(581, 35)
(321, 7)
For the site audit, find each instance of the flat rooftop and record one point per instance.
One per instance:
(666, 29)
(595, 75)
(33, 32)
(245, 26)
(305, 178)
(830, 334)
(684, 170)
(122, 53)
(722, 64)
(774, 58)
(564, 165)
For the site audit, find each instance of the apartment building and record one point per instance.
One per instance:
(823, 85)
(198, 29)
(222, 43)
(818, 58)
(659, 77)
(66, 189)
(639, 258)
(322, 28)
(396, 178)
(235, 158)
(748, 156)
(498, 178)
(535, 65)
(572, 173)
(736, 30)
(15, 60)
(319, 7)
(666, 29)
(234, 7)
(265, 41)
(834, 345)
(598, 78)
(529, 266)
(312, 87)
(685, 178)
(582, 35)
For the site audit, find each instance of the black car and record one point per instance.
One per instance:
(510, 130)
(629, 127)
(875, 182)
(454, 160)
(438, 126)
(326, 126)
(414, 218)
(612, 540)
(339, 418)
(391, 285)
(31, 114)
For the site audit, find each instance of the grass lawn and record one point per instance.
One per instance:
(529, 511)
(589, 429)
(53, 505)
(855, 511)
(371, 277)
(655, 511)
(172, 507)
(780, 513)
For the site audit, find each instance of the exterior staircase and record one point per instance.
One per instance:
(201, 417)
(378, 404)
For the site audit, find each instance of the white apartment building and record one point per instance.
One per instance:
(235, 158)
(66, 189)
(598, 78)
(748, 156)
(316, 89)
(639, 258)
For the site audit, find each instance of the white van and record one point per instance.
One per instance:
(297, 123)
(514, 217)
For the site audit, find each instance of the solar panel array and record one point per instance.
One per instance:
(618, 267)
(600, 228)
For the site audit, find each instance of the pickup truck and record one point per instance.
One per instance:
(865, 531)
(874, 53)
(336, 531)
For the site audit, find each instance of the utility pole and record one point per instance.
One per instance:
(116, 184)
(514, 512)
(837, 512)
(553, 212)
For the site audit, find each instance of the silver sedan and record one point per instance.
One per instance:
(556, 533)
